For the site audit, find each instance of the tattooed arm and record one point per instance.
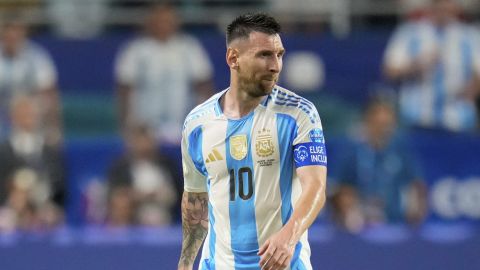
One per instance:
(194, 226)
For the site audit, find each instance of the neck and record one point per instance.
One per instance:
(237, 102)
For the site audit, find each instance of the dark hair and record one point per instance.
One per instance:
(243, 25)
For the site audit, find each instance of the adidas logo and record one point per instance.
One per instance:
(214, 156)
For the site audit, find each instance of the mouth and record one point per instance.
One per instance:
(270, 79)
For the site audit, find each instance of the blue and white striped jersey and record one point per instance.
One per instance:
(439, 97)
(247, 166)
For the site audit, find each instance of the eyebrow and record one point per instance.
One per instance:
(282, 51)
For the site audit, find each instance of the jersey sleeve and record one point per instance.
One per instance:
(194, 173)
(200, 66)
(46, 74)
(125, 64)
(309, 144)
(396, 53)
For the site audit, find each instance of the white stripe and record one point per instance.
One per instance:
(213, 138)
(268, 200)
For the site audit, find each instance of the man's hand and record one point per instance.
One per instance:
(277, 252)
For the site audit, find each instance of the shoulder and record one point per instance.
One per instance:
(471, 31)
(411, 28)
(187, 43)
(136, 44)
(203, 112)
(35, 50)
(282, 100)
(186, 39)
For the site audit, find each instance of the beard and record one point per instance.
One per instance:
(259, 87)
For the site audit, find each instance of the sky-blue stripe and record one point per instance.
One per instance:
(439, 83)
(413, 49)
(296, 263)
(467, 64)
(244, 242)
(213, 237)
(287, 131)
(413, 43)
(468, 120)
(195, 149)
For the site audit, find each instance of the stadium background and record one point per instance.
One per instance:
(347, 56)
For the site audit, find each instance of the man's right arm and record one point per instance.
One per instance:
(194, 226)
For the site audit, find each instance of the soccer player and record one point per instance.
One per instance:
(254, 162)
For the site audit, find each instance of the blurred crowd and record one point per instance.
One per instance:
(432, 60)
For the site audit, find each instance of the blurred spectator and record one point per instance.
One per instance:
(31, 171)
(378, 181)
(78, 18)
(308, 15)
(142, 184)
(437, 63)
(27, 69)
(161, 75)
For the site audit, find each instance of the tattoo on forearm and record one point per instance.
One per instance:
(194, 225)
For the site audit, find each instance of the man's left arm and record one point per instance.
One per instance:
(277, 251)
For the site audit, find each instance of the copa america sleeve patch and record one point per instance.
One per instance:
(310, 153)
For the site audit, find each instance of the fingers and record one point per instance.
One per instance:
(263, 248)
(277, 262)
(267, 256)
(264, 266)
(284, 262)
(277, 259)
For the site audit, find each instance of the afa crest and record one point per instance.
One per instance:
(238, 146)
(264, 144)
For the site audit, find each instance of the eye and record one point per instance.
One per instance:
(265, 54)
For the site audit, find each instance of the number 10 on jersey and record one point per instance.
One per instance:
(245, 190)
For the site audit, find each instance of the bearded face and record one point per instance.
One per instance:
(259, 63)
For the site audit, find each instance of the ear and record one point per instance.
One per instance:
(232, 58)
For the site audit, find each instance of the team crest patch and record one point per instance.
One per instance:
(238, 146)
(264, 144)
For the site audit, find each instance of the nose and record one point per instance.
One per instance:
(275, 65)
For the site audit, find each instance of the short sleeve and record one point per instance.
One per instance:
(194, 172)
(396, 53)
(309, 144)
(125, 64)
(45, 72)
(200, 65)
